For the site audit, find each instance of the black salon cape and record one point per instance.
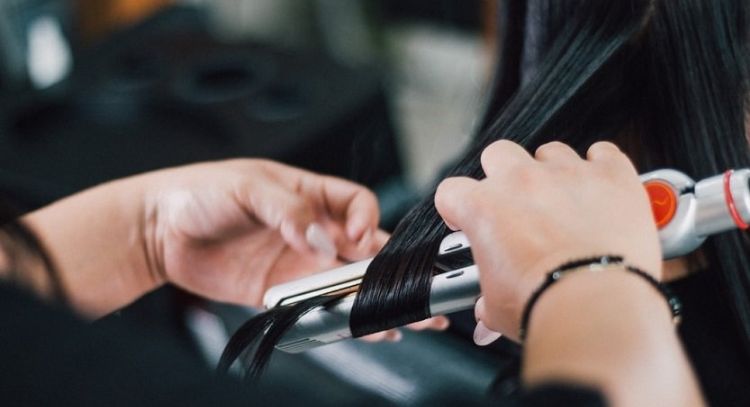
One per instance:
(48, 357)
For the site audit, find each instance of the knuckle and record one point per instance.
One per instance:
(259, 163)
(445, 196)
(495, 151)
(474, 202)
(607, 144)
(481, 205)
(557, 154)
(369, 196)
(442, 193)
(550, 147)
(500, 145)
(487, 157)
(364, 197)
(604, 148)
(622, 158)
(612, 158)
(525, 175)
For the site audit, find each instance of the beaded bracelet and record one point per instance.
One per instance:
(596, 264)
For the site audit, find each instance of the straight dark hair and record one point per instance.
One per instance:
(665, 80)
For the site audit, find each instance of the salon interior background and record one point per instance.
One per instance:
(430, 59)
(381, 91)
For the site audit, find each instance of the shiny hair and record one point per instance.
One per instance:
(665, 80)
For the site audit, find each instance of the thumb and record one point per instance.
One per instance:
(483, 335)
(450, 201)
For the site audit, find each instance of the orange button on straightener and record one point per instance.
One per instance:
(663, 201)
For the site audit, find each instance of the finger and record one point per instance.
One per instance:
(503, 155)
(376, 337)
(379, 240)
(480, 309)
(288, 265)
(368, 246)
(354, 203)
(394, 335)
(450, 200)
(342, 200)
(439, 323)
(320, 239)
(603, 151)
(608, 155)
(282, 210)
(556, 152)
(480, 312)
(483, 336)
(391, 335)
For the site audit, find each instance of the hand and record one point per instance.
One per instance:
(224, 230)
(229, 230)
(532, 214)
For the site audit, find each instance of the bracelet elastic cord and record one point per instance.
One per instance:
(597, 263)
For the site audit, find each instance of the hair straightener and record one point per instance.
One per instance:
(685, 212)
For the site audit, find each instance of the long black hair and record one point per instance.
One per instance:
(666, 80)
(24, 254)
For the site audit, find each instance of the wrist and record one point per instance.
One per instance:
(604, 330)
(614, 293)
(597, 265)
(95, 240)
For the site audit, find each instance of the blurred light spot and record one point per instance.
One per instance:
(49, 58)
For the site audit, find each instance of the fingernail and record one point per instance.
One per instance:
(483, 336)
(318, 239)
(396, 336)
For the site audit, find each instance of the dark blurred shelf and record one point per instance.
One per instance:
(167, 93)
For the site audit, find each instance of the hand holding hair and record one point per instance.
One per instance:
(532, 214)
(609, 330)
(223, 230)
(228, 231)
(264, 224)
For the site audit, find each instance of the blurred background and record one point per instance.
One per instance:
(384, 92)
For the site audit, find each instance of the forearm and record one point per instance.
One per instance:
(96, 241)
(612, 331)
